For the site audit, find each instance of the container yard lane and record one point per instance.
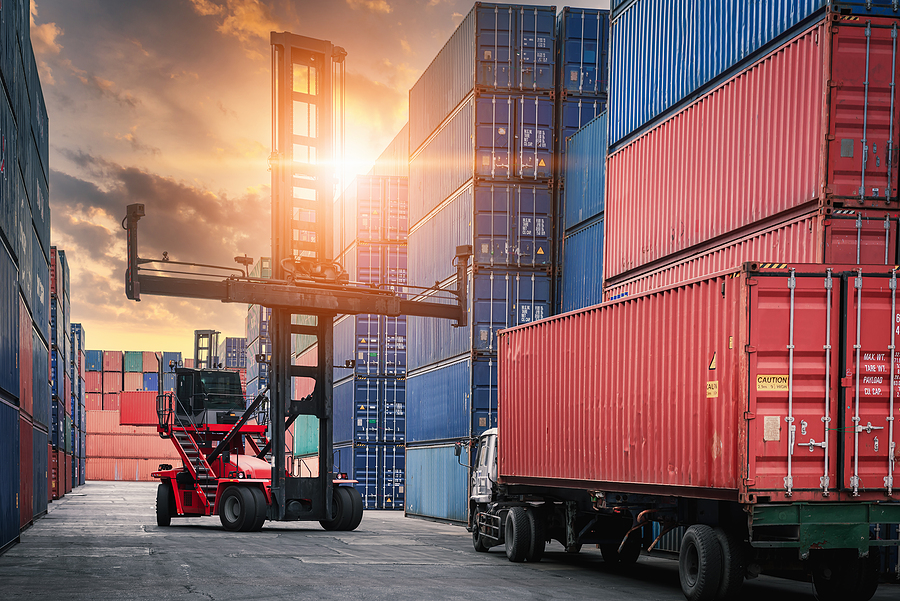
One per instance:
(102, 542)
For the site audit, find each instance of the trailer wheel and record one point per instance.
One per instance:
(517, 534)
(733, 564)
(341, 511)
(262, 508)
(842, 575)
(237, 509)
(700, 563)
(356, 507)
(536, 534)
(165, 504)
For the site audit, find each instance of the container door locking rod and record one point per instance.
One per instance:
(889, 479)
(792, 429)
(854, 479)
(865, 147)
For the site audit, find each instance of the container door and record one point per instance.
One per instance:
(870, 403)
(861, 238)
(864, 126)
(794, 327)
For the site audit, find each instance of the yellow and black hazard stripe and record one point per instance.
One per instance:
(772, 265)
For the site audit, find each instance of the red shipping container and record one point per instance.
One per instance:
(57, 487)
(93, 382)
(775, 137)
(112, 361)
(151, 366)
(107, 422)
(138, 409)
(26, 471)
(50, 472)
(54, 271)
(840, 236)
(68, 476)
(188, 363)
(129, 470)
(133, 382)
(699, 389)
(129, 446)
(112, 382)
(93, 401)
(111, 401)
(26, 360)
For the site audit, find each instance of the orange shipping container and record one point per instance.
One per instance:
(134, 381)
(133, 446)
(107, 422)
(111, 402)
(138, 409)
(131, 470)
(93, 401)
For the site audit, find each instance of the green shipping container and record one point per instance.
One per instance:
(306, 435)
(134, 361)
(68, 434)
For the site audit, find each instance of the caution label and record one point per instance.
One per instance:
(712, 362)
(540, 250)
(541, 163)
(712, 389)
(767, 383)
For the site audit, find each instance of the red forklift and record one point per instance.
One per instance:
(232, 464)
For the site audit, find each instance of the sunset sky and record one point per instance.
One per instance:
(168, 103)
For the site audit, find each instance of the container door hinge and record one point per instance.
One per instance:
(749, 482)
(748, 415)
(749, 349)
(751, 282)
(847, 382)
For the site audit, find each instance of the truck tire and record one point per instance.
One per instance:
(165, 504)
(629, 554)
(237, 509)
(262, 508)
(341, 510)
(479, 541)
(841, 574)
(517, 533)
(536, 534)
(700, 563)
(356, 506)
(734, 564)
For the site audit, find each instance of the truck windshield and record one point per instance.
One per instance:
(223, 389)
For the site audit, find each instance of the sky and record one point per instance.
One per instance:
(168, 103)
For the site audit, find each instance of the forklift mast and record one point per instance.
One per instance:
(305, 278)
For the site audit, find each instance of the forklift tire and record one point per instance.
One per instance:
(536, 534)
(357, 508)
(237, 509)
(165, 504)
(518, 535)
(341, 510)
(262, 508)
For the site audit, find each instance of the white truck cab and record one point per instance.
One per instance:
(484, 472)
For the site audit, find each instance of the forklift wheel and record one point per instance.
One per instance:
(165, 504)
(357, 506)
(237, 509)
(341, 510)
(262, 508)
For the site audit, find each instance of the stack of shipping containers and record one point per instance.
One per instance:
(482, 160)
(582, 76)
(25, 409)
(726, 148)
(61, 427)
(369, 417)
(79, 418)
(232, 355)
(258, 336)
(121, 441)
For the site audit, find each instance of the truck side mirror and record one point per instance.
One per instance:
(457, 449)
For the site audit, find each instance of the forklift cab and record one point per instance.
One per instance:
(208, 396)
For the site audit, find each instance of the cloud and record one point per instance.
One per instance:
(247, 20)
(106, 88)
(137, 145)
(375, 6)
(45, 41)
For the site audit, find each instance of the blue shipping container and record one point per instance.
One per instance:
(582, 269)
(9, 474)
(436, 483)
(26, 241)
(170, 358)
(40, 382)
(57, 419)
(41, 467)
(369, 410)
(40, 308)
(151, 381)
(497, 300)
(452, 400)
(371, 209)
(379, 469)
(663, 52)
(583, 41)
(9, 201)
(9, 324)
(496, 47)
(585, 174)
(93, 361)
(575, 112)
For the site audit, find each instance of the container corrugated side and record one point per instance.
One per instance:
(133, 382)
(94, 361)
(26, 471)
(583, 42)
(128, 446)
(149, 362)
(40, 307)
(698, 157)
(379, 470)
(582, 268)
(717, 393)
(112, 382)
(107, 422)
(371, 209)
(662, 52)
(138, 409)
(394, 159)
(10, 317)
(9, 201)
(134, 361)
(9, 474)
(40, 466)
(40, 370)
(124, 469)
(585, 173)
(436, 483)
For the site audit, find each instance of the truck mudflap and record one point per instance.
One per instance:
(812, 526)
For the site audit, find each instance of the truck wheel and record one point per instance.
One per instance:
(734, 564)
(700, 563)
(237, 509)
(165, 504)
(478, 541)
(517, 534)
(341, 512)
(536, 534)
(630, 552)
(262, 508)
(356, 506)
(842, 575)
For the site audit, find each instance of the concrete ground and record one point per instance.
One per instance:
(102, 542)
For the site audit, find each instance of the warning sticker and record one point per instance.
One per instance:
(712, 389)
(767, 383)
(712, 362)
(540, 250)
(541, 163)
